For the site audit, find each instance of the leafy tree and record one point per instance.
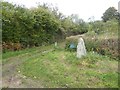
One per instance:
(80, 25)
(7, 20)
(110, 13)
(37, 26)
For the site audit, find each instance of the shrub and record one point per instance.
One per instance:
(103, 46)
(107, 47)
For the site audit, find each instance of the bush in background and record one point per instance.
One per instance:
(102, 46)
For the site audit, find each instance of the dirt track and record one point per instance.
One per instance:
(11, 76)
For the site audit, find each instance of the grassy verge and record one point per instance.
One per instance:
(22, 53)
(61, 68)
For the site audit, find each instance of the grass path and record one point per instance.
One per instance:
(10, 75)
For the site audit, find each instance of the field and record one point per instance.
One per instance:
(51, 67)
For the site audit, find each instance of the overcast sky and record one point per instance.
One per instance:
(84, 8)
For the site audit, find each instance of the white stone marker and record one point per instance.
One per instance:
(81, 50)
(55, 44)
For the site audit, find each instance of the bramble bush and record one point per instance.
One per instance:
(107, 47)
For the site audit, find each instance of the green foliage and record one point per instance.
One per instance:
(29, 27)
(103, 38)
(79, 26)
(110, 13)
(103, 46)
(111, 26)
(100, 27)
(92, 45)
(36, 26)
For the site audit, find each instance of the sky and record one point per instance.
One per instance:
(84, 8)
